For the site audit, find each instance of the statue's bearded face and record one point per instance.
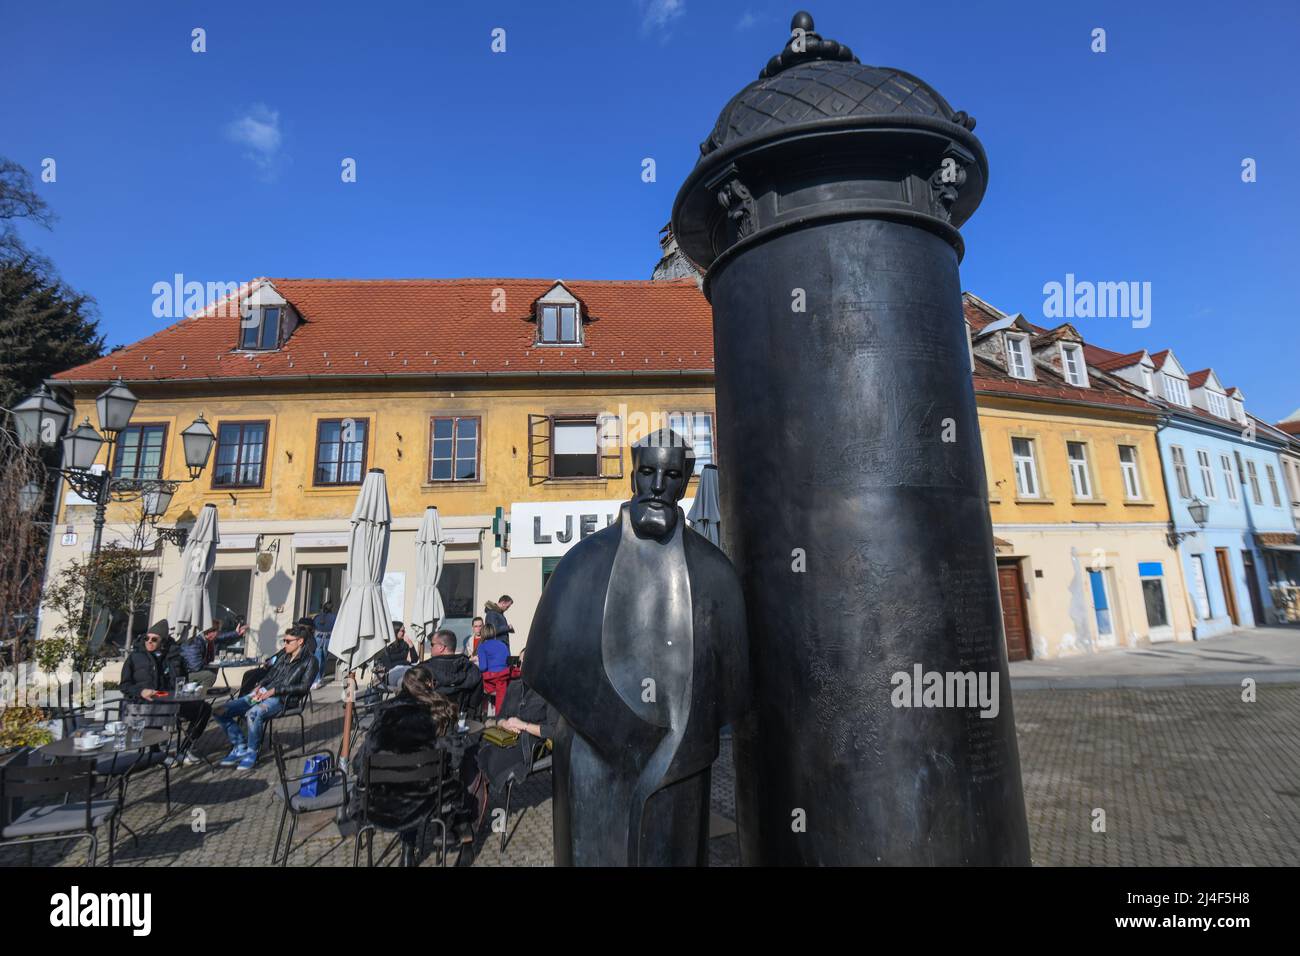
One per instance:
(659, 480)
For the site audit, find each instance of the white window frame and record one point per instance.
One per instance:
(1148, 380)
(1225, 466)
(1271, 475)
(1218, 404)
(1176, 390)
(1018, 348)
(1200, 591)
(1207, 472)
(1131, 473)
(1026, 469)
(1252, 476)
(1080, 480)
(1181, 478)
(1071, 351)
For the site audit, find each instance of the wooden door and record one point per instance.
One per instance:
(1225, 578)
(1015, 622)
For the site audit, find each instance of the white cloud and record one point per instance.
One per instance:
(656, 15)
(258, 131)
(746, 20)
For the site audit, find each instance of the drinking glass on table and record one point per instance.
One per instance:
(137, 728)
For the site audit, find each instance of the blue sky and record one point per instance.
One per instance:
(224, 165)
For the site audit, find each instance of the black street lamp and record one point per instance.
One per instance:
(42, 421)
(1200, 512)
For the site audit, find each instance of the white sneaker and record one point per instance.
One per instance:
(191, 759)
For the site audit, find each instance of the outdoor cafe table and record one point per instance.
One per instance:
(65, 748)
(224, 665)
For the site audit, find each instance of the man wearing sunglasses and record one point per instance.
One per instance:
(289, 678)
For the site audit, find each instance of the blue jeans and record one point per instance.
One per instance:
(322, 646)
(257, 715)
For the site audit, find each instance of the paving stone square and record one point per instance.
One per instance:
(1186, 776)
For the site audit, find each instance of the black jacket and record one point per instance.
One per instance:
(291, 677)
(396, 653)
(401, 725)
(144, 671)
(453, 672)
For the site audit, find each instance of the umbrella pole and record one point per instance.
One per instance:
(349, 692)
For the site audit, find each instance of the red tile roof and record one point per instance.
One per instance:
(395, 327)
(1159, 358)
(1197, 379)
(1109, 361)
(989, 379)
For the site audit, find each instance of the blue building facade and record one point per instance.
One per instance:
(1235, 469)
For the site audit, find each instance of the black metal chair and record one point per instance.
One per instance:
(127, 765)
(298, 710)
(364, 707)
(540, 762)
(65, 806)
(335, 784)
(422, 774)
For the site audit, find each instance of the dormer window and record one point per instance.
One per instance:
(1175, 390)
(260, 329)
(1148, 381)
(558, 324)
(1019, 363)
(1218, 404)
(266, 320)
(1072, 365)
(559, 317)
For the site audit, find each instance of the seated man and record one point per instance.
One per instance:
(232, 638)
(154, 667)
(454, 675)
(198, 653)
(288, 680)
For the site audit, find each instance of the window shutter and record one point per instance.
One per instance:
(609, 431)
(539, 449)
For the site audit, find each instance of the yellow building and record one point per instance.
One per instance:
(472, 395)
(1076, 494)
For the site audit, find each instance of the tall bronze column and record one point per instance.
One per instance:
(824, 210)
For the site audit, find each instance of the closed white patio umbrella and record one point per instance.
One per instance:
(193, 605)
(706, 512)
(362, 623)
(430, 551)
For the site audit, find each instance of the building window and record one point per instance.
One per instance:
(558, 324)
(1078, 455)
(454, 449)
(139, 452)
(696, 428)
(1253, 477)
(241, 455)
(1018, 357)
(1175, 390)
(574, 446)
(1073, 364)
(1128, 467)
(1180, 472)
(1225, 468)
(1151, 574)
(1101, 603)
(1218, 404)
(1198, 587)
(260, 329)
(1147, 381)
(1022, 455)
(1272, 485)
(341, 451)
(1207, 474)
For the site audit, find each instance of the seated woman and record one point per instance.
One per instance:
(410, 722)
(533, 719)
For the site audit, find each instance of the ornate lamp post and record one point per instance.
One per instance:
(825, 208)
(41, 421)
(1200, 512)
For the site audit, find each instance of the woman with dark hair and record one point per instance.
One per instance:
(411, 721)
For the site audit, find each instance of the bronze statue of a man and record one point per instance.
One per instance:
(639, 642)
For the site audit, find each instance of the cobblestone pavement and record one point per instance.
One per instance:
(1186, 776)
